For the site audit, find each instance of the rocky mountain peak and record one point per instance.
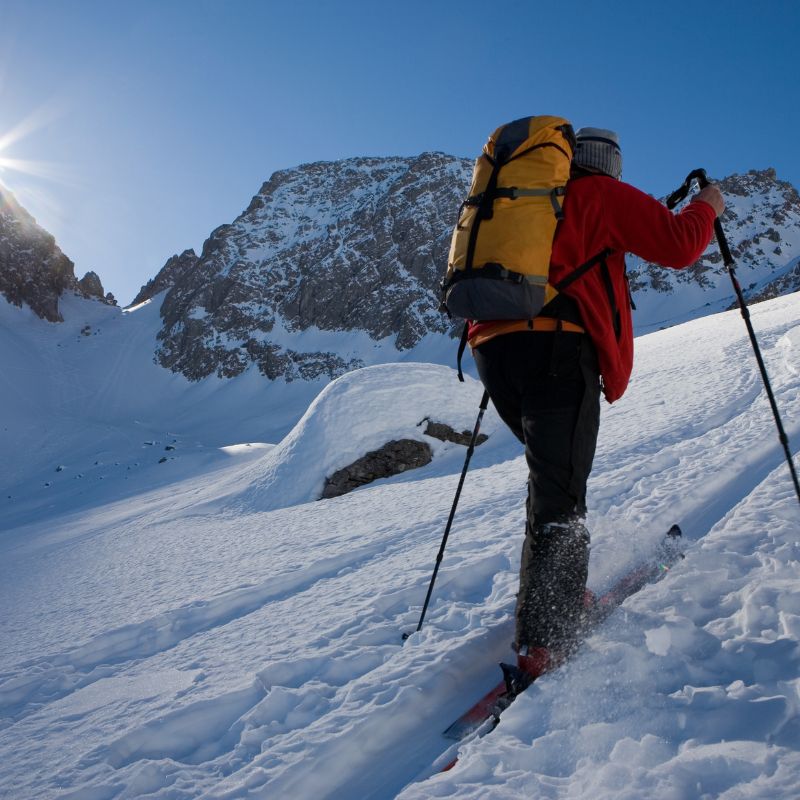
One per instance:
(90, 286)
(33, 270)
(755, 182)
(168, 276)
(330, 246)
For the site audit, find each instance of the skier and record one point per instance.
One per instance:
(545, 376)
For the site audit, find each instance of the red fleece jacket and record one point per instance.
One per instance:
(600, 213)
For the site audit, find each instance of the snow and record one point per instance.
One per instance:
(203, 627)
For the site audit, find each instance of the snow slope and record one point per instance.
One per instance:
(201, 627)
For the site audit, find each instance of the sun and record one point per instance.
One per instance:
(40, 118)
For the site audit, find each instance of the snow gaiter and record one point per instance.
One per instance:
(552, 584)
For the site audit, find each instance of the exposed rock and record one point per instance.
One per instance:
(443, 432)
(168, 276)
(393, 458)
(785, 284)
(333, 247)
(91, 286)
(33, 270)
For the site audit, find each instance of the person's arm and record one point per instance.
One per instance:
(641, 225)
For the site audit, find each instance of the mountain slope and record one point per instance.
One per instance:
(334, 266)
(198, 646)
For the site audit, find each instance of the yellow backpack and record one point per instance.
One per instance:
(500, 251)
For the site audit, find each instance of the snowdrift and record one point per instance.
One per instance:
(355, 414)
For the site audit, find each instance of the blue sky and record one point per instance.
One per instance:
(150, 123)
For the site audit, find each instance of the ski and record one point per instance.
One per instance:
(484, 716)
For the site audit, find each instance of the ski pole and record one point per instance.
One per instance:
(679, 194)
(470, 451)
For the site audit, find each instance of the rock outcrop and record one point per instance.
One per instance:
(168, 276)
(33, 270)
(444, 433)
(393, 458)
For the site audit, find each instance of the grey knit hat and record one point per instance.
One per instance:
(598, 151)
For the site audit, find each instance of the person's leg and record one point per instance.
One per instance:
(552, 584)
(546, 389)
(560, 425)
(492, 360)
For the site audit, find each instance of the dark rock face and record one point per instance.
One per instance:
(786, 284)
(391, 459)
(444, 433)
(356, 245)
(168, 276)
(33, 270)
(90, 286)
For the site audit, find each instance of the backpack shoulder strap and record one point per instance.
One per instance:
(462, 346)
(600, 258)
(580, 271)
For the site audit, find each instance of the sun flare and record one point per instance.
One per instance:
(38, 119)
(39, 169)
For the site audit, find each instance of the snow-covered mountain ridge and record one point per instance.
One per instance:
(335, 265)
(338, 247)
(361, 244)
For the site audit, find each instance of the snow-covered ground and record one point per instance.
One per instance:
(190, 622)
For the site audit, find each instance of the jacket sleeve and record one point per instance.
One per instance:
(639, 224)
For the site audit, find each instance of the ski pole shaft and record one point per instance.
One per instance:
(678, 195)
(440, 556)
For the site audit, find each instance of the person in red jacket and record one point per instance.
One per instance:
(545, 375)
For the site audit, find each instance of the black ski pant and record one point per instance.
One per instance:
(546, 388)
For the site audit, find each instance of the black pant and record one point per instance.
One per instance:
(546, 388)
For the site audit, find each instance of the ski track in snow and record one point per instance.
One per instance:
(257, 654)
(52, 677)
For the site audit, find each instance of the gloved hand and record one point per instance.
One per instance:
(711, 195)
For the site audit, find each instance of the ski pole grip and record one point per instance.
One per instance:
(722, 241)
(682, 192)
